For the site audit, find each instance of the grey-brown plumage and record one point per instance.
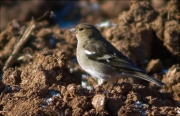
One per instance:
(101, 59)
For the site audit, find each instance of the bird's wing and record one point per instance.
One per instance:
(104, 52)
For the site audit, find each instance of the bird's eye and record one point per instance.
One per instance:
(80, 29)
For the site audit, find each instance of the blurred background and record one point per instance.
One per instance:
(67, 13)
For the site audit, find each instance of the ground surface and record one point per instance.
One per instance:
(45, 79)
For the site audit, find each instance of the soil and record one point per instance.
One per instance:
(44, 77)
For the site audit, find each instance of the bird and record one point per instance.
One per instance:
(101, 59)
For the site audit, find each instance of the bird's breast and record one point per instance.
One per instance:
(94, 68)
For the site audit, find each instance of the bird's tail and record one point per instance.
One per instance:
(148, 78)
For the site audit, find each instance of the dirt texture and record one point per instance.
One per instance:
(45, 79)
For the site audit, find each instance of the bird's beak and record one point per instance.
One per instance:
(73, 30)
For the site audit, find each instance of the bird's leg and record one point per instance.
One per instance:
(116, 82)
(100, 82)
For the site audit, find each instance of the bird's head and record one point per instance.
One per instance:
(85, 31)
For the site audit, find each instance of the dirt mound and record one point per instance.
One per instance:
(44, 78)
